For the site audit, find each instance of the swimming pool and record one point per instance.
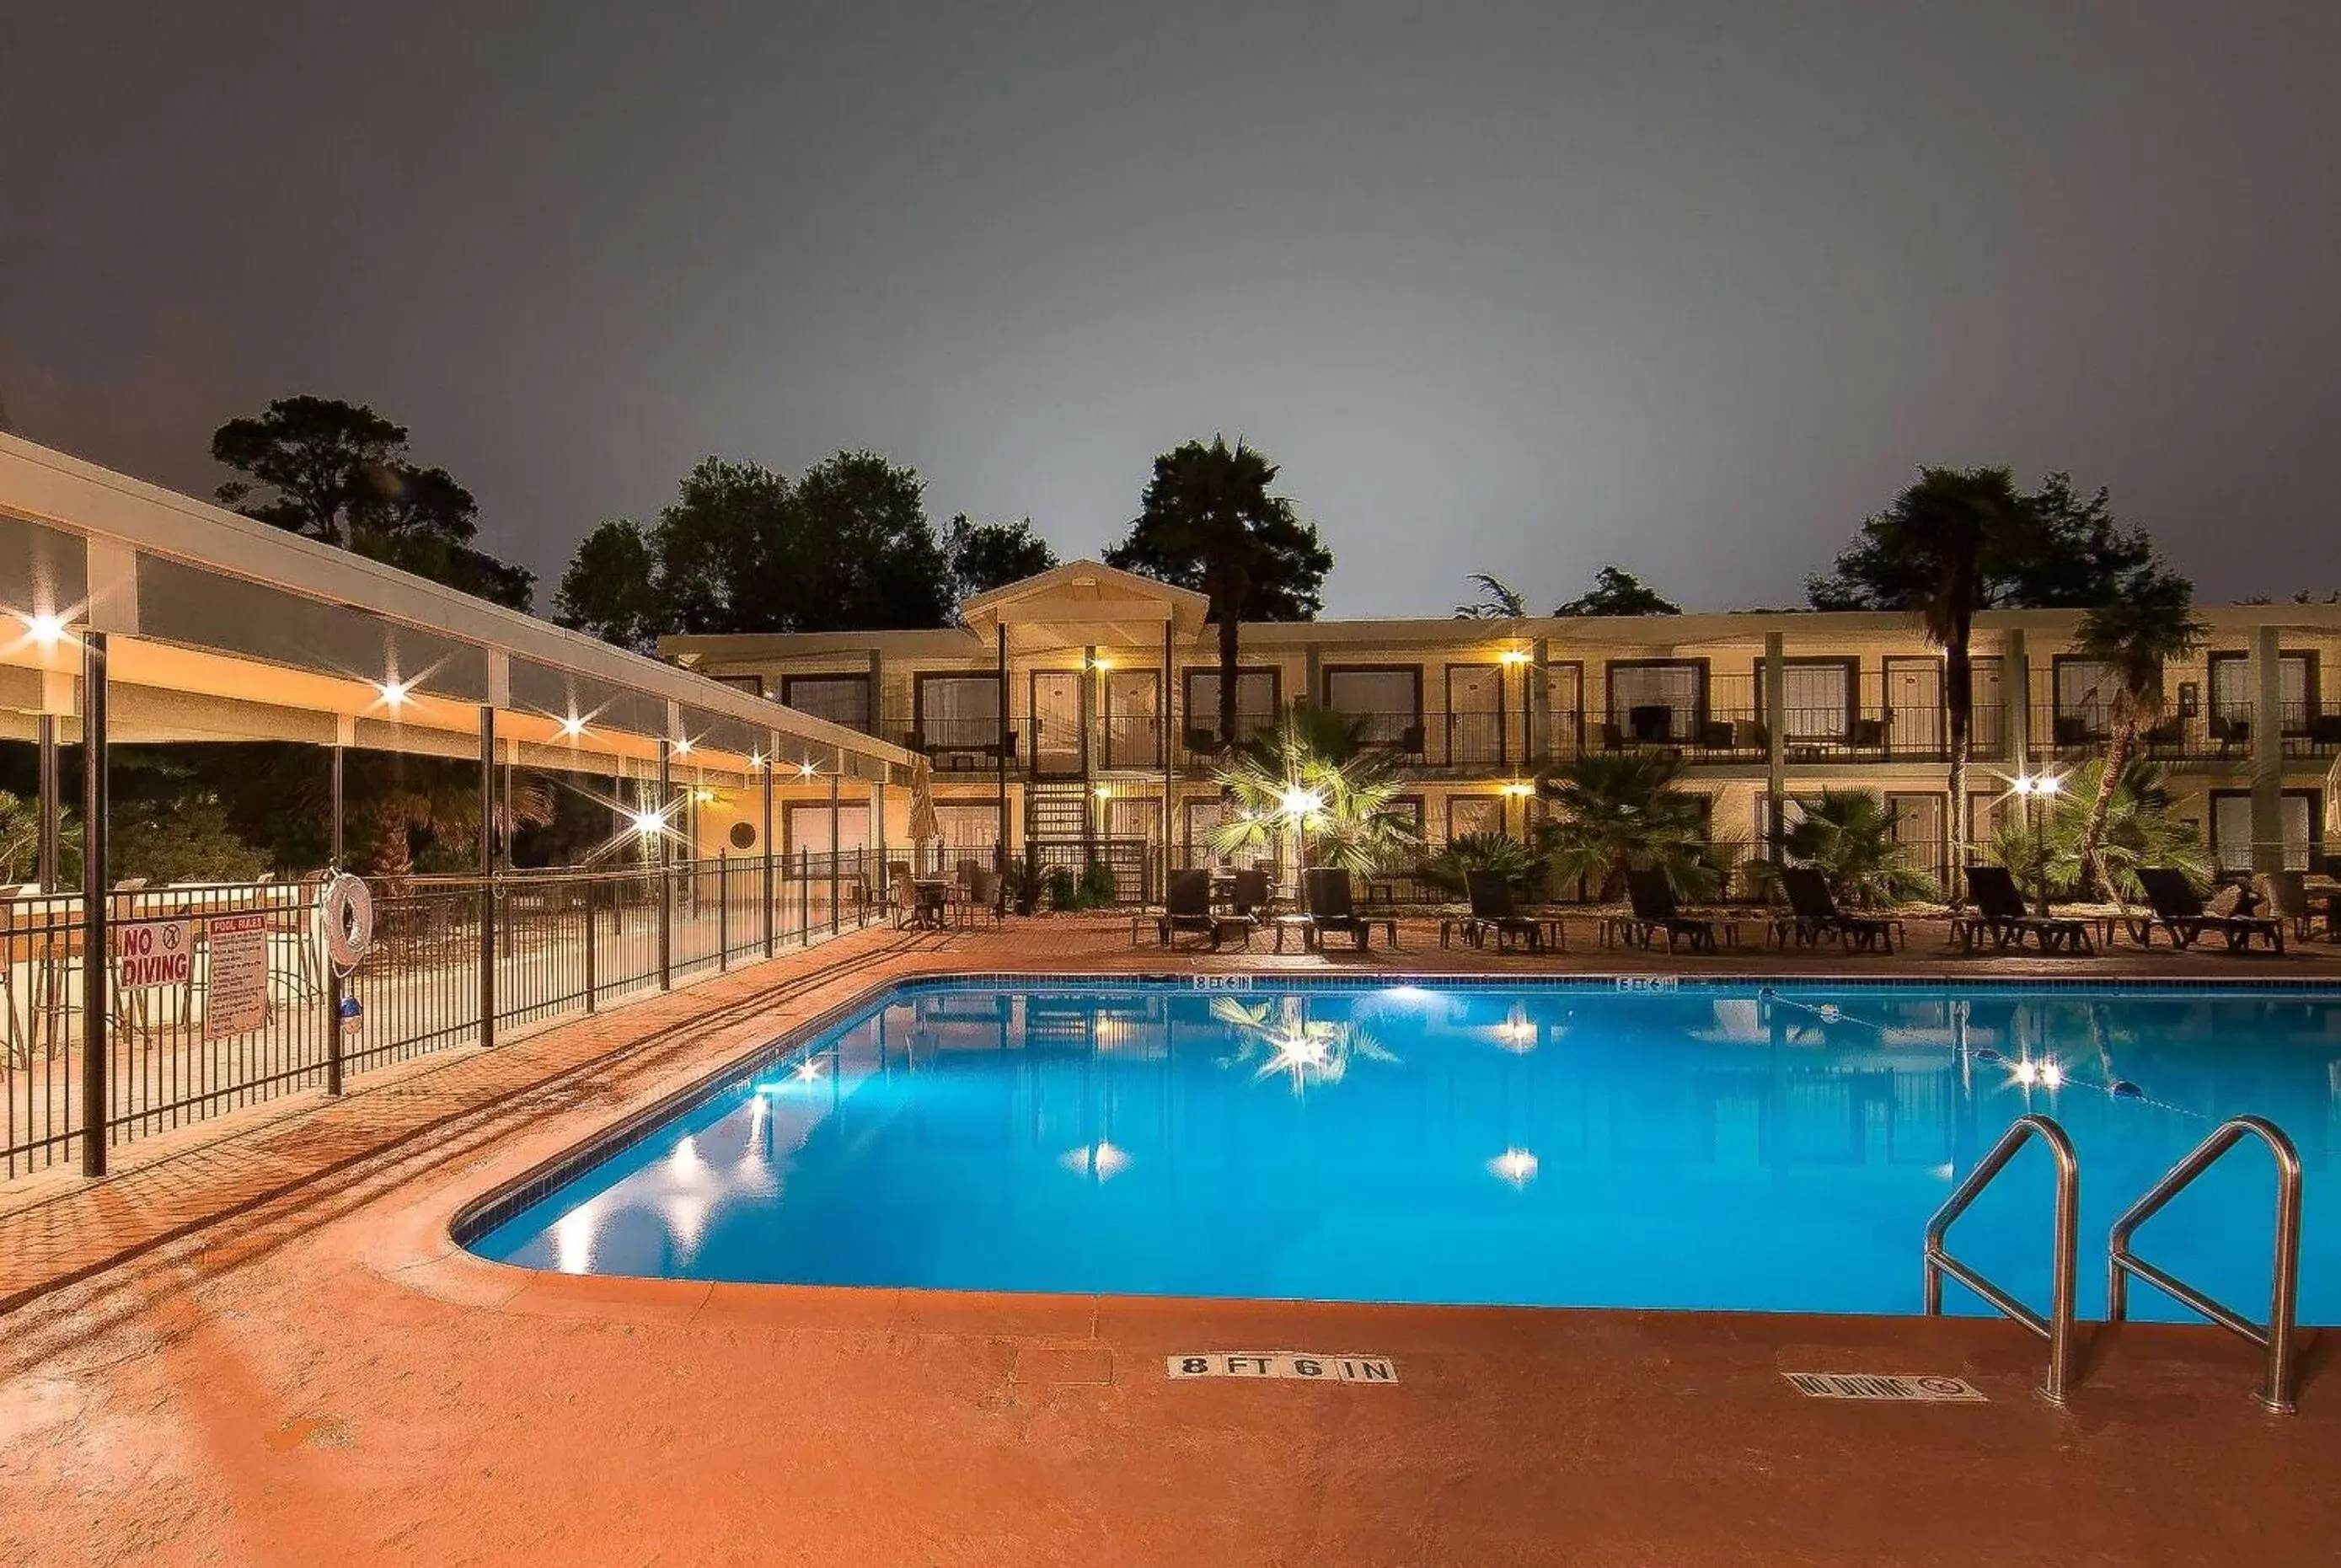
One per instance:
(1741, 1145)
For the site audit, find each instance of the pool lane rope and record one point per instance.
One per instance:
(2115, 1088)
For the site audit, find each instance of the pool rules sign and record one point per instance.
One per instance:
(237, 999)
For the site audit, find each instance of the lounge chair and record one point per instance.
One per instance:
(2000, 914)
(1494, 910)
(1187, 906)
(1330, 906)
(1656, 911)
(982, 897)
(1813, 914)
(2179, 909)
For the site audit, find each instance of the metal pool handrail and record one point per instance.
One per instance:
(2274, 1392)
(2057, 1328)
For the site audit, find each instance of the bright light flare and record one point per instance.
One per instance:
(1512, 656)
(572, 727)
(808, 769)
(46, 630)
(807, 1070)
(647, 823)
(394, 693)
(683, 746)
(1299, 802)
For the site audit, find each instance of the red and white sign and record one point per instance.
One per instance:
(236, 1000)
(153, 953)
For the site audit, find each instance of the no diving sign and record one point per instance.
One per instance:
(153, 953)
(1296, 1365)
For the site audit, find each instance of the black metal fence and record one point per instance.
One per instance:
(554, 943)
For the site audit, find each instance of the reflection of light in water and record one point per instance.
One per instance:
(1515, 1165)
(1516, 1034)
(1101, 1160)
(808, 1070)
(572, 1238)
(2047, 1073)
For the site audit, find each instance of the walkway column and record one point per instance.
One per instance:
(487, 875)
(1007, 736)
(2267, 752)
(878, 837)
(836, 842)
(1169, 787)
(665, 883)
(1776, 745)
(46, 855)
(334, 828)
(2016, 695)
(96, 967)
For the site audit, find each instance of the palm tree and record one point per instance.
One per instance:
(2134, 636)
(1933, 553)
(1620, 811)
(1498, 600)
(1849, 836)
(1312, 774)
(1207, 522)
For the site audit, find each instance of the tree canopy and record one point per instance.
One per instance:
(339, 473)
(1617, 591)
(2060, 552)
(1208, 521)
(983, 556)
(846, 547)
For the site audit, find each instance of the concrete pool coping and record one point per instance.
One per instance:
(496, 1414)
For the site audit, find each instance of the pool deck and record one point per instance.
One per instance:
(256, 1344)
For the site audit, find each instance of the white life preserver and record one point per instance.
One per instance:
(346, 920)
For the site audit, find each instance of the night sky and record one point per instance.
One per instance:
(1688, 287)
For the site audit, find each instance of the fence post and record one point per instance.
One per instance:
(97, 964)
(333, 1026)
(804, 896)
(836, 851)
(770, 911)
(487, 875)
(722, 911)
(589, 945)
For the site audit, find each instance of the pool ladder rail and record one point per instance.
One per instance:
(2057, 1328)
(2275, 1393)
(2277, 1337)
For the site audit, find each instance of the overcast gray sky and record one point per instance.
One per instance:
(1690, 287)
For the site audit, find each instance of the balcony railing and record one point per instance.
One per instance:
(2224, 734)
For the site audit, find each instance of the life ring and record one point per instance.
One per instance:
(346, 920)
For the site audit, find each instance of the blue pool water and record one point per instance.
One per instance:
(1721, 1146)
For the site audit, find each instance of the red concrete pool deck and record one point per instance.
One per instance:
(276, 1355)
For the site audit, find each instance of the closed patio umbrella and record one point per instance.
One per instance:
(925, 825)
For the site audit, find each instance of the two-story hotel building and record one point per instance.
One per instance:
(1076, 711)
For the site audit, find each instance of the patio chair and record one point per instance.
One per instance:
(2179, 909)
(1813, 914)
(1250, 896)
(1495, 909)
(1330, 906)
(1656, 911)
(982, 899)
(2288, 898)
(2001, 915)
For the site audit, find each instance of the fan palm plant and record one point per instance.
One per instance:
(1619, 811)
(1311, 774)
(2138, 829)
(1848, 835)
(1519, 864)
(2134, 636)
